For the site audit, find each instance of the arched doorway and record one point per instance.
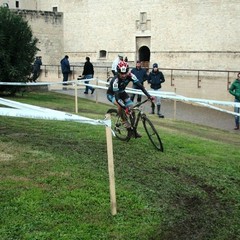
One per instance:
(144, 56)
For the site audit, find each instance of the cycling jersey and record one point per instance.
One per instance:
(117, 87)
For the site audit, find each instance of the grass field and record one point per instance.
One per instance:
(54, 179)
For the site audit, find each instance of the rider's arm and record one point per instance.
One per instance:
(140, 86)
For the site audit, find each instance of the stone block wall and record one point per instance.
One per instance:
(48, 28)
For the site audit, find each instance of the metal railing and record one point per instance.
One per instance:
(105, 71)
(228, 82)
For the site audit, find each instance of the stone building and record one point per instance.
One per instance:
(177, 34)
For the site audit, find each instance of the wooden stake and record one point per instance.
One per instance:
(111, 168)
(76, 98)
(96, 90)
(175, 106)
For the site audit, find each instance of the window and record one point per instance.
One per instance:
(55, 9)
(17, 4)
(102, 54)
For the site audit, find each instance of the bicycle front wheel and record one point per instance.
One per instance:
(117, 126)
(152, 133)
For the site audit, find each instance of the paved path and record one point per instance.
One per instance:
(184, 111)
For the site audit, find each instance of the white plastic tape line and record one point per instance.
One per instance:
(174, 96)
(167, 95)
(219, 109)
(30, 84)
(30, 111)
(10, 112)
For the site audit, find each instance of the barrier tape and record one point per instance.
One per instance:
(30, 111)
(167, 95)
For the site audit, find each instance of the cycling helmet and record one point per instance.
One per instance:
(122, 67)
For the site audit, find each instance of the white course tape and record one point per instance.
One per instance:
(29, 111)
(166, 95)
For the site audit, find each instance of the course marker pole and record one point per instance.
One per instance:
(76, 98)
(174, 106)
(111, 168)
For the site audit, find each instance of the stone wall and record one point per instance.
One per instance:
(48, 28)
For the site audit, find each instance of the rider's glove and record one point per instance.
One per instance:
(127, 111)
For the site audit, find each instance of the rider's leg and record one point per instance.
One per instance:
(129, 104)
(139, 98)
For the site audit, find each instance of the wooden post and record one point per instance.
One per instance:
(111, 168)
(76, 98)
(96, 91)
(174, 106)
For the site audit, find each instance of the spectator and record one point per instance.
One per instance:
(36, 69)
(156, 78)
(65, 66)
(142, 76)
(115, 63)
(235, 91)
(88, 72)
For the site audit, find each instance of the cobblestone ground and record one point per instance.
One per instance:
(184, 111)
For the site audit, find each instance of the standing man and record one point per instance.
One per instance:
(36, 68)
(235, 91)
(156, 78)
(115, 63)
(141, 75)
(88, 72)
(65, 66)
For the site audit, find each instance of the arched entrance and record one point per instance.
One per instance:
(144, 56)
(143, 45)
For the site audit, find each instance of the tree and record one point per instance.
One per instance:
(17, 49)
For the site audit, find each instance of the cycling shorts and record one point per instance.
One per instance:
(123, 96)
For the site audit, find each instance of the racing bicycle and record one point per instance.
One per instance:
(136, 114)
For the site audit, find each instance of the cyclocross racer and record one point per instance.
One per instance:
(116, 91)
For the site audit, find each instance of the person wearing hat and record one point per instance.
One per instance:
(115, 63)
(156, 78)
(141, 75)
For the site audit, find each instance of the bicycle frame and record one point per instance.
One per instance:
(125, 134)
(136, 115)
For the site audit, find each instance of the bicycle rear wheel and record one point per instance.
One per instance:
(152, 133)
(118, 128)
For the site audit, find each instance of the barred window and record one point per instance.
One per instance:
(103, 54)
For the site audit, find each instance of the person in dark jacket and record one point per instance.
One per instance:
(88, 72)
(156, 78)
(141, 75)
(36, 68)
(235, 91)
(65, 66)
